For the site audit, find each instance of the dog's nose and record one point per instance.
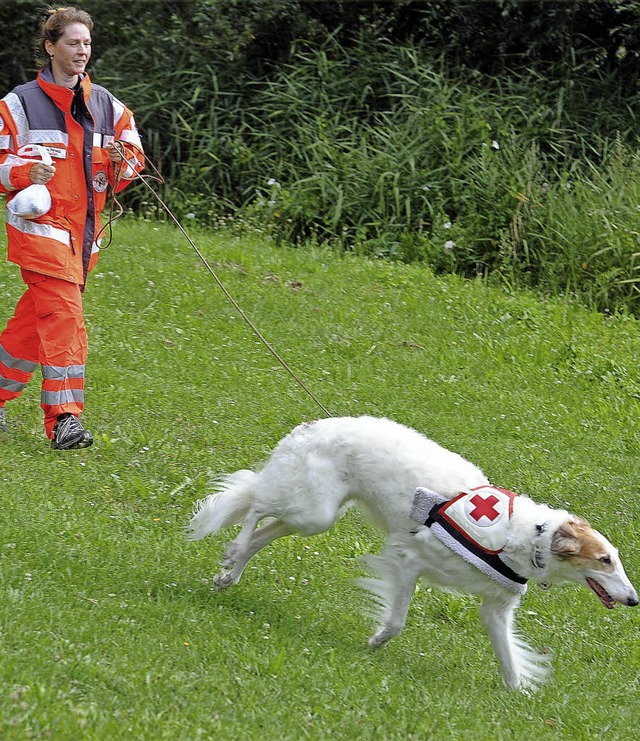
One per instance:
(632, 601)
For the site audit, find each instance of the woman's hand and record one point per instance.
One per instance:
(114, 153)
(40, 174)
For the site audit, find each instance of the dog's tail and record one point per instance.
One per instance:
(229, 503)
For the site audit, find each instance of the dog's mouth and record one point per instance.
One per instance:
(604, 596)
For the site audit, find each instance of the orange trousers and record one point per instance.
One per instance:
(46, 329)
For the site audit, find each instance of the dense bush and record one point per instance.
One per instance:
(397, 159)
(494, 138)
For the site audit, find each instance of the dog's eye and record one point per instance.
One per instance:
(605, 560)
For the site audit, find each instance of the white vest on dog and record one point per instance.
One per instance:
(474, 525)
(482, 515)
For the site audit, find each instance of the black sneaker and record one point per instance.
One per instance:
(69, 434)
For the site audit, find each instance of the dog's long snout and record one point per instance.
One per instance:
(632, 596)
(630, 599)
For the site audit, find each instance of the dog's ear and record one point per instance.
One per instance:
(564, 542)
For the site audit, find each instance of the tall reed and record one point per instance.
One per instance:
(379, 149)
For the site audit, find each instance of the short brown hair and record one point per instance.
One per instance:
(52, 28)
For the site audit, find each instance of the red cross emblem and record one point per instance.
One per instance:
(484, 507)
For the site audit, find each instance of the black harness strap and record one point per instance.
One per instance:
(492, 559)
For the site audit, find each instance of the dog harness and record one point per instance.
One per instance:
(474, 525)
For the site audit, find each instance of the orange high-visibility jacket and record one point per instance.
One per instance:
(62, 242)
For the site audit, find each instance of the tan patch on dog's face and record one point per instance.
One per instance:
(577, 542)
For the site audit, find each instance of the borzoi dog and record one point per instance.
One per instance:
(421, 494)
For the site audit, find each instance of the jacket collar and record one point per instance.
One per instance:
(62, 96)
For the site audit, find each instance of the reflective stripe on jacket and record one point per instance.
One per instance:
(62, 242)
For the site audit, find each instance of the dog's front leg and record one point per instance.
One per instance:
(522, 668)
(398, 571)
(497, 619)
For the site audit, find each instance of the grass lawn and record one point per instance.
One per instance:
(108, 625)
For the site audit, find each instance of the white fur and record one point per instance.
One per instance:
(322, 466)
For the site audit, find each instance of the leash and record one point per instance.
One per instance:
(157, 177)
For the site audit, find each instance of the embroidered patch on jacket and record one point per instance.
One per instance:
(474, 525)
(100, 181)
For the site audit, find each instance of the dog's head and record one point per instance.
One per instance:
(583, 555)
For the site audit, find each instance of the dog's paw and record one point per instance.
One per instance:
(380, 637)
(224, 579)
(526, 684)
(532, 669)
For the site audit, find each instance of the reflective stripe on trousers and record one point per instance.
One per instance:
(14, 374)
(48, 329)
(62, 385)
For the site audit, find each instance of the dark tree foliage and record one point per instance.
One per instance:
(250, 36)
(193, 70)
(373, 124)
(492, 35)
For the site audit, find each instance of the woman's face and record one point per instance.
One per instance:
(71, 52)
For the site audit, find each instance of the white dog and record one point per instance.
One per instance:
(420, 494)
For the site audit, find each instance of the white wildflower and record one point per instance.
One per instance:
(495, 145)
(449, 245)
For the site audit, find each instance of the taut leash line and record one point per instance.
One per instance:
(214, 275)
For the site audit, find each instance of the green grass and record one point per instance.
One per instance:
(108, 625)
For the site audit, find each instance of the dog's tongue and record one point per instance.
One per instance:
(603, 595)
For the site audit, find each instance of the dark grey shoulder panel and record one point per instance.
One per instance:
(25, 87)
(41, 111)
(101, 107)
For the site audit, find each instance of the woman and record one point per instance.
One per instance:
(93, 142)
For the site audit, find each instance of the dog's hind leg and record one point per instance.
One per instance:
(237, 546)
(522, 667)
(240, 552)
